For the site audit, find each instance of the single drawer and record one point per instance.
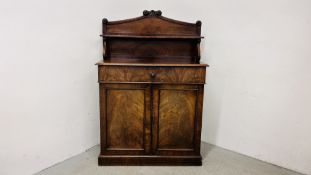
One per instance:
(149, 74)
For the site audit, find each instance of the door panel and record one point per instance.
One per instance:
(175, 119)
(126, 110)
(125, 127)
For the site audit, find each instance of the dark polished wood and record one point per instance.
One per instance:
(151, 91)
(174, 115)
(179, 37)
(160, 74)
(150, 160)
(125, 111)
(153, 38)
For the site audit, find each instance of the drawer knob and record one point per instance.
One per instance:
(152, 75)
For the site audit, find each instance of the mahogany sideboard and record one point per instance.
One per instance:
(151, 91)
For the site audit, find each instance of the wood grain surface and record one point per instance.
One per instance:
(125, 117)
(151, 91)
(152, 37)
(176, 118)
(145, 74)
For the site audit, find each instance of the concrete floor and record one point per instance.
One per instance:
(216, 161)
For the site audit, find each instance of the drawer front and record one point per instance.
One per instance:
(165, 74)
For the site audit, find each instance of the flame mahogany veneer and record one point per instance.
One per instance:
(151, 91)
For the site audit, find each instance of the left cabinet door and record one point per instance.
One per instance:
(125, 119)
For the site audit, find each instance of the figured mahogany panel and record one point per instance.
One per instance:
(176, 118)
(125, 118)
(152, 74)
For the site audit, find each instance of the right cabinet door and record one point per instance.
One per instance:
(177, 119)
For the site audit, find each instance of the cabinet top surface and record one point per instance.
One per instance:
(109, 63)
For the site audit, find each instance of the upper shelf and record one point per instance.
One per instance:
(152, 36)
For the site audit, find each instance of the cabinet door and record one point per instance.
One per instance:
(125, 119)
(177, 116)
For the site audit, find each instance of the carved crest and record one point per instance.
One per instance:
(152, 13)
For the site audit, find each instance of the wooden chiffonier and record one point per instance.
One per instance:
(151, 91)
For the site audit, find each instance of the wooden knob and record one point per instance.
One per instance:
(152, 75)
